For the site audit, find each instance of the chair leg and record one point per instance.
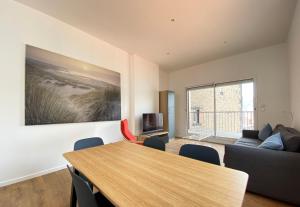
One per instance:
(73, 199)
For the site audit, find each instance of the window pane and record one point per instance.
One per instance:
(201, 112)
(234, 109)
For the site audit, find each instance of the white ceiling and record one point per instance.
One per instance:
(203, 30)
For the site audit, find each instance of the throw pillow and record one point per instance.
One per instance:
(265, 132)
(290, 138)
(273, 142)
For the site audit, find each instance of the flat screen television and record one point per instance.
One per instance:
(152, 122)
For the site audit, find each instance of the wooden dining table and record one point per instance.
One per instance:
(130, 175)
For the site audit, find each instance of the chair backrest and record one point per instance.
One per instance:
(156, 143)
(84, 193)
(199, 152)
(87, 143)
(126, 132)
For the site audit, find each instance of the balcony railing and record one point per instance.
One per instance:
(228, 123)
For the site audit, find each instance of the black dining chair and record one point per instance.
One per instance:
(199, 152)
(83, 144)
(156, 143)
(85, 195)
(87, 143)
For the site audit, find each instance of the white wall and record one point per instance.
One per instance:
(28, 151)
(294, 61)
(163, 80)
(145, 88)
(269, 68)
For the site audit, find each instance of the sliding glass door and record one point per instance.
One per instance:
(221, 109)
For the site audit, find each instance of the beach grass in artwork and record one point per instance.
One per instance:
(59, 89)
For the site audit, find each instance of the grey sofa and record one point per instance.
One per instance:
(275, 174)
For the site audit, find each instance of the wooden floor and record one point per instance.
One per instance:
(53, 190)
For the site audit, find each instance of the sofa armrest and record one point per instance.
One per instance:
(250, 134)
(270, 172)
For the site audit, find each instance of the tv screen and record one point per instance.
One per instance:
(152, 122)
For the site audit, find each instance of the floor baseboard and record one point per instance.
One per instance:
(30, 176)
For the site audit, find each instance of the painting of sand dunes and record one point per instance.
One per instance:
(59, 89)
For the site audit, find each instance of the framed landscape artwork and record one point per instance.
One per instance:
(59, 89)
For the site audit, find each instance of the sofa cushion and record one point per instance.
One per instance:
(290, 138)
(273, 142)
(265, 132)
(248, 142)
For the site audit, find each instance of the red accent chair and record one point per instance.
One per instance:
(127, 134)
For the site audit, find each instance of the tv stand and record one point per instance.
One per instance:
(162, 134)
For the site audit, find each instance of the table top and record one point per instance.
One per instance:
(134, 175)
